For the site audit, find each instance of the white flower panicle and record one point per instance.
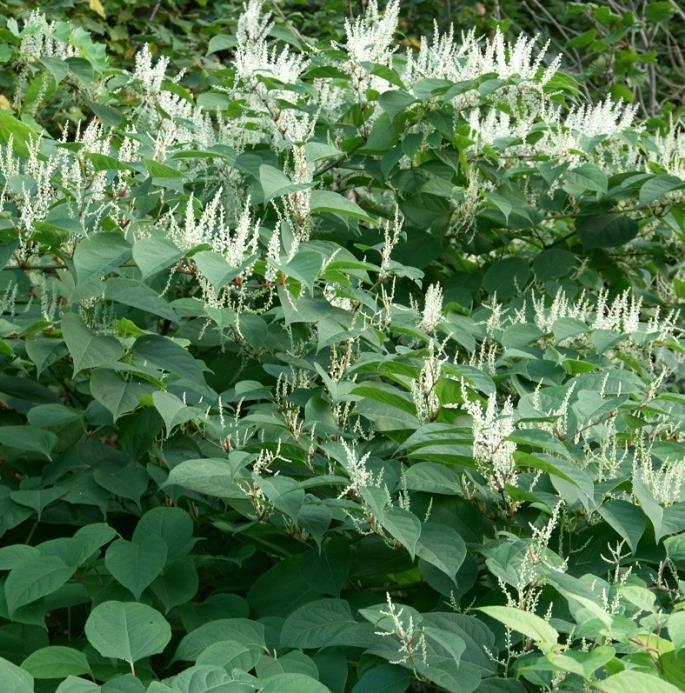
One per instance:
(273, 254)
(369, 37)
(471, 59)
(432, 308)
(666, 482)
(211, 229)
(497, 125)
(148, 73)
(253, 24)
(669, 152)
(391, 237)
(494, 455)
(236, 246)
(38, 40)
(621, 315)
(360, 476)
(604, 118)
(561, 307)
(412, 639)
(252, 54)
(423, 389)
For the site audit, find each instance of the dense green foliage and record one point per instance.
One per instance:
(334, 366)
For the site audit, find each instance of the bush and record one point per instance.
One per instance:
(335, 367)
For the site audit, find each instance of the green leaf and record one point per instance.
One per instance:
(73, 684)
(221, 42)
(13, 678)
(317, 624)
(659, 11)
(523, 622)
(29, 439)
(213, 476)
(242, 630)
(174, 525)
(676, 629)
(506, 277)
(127, 630)
(56, 662)
(87, 349)
(172, 410)
(654, 188)
(97, 256)
(20, 133)
(626, 519)
(605, 230)
(34, 578)
(385, 678)
(403, 526)
(216, 270)
(131, 292)
(394, 102)
(177, 584)
(205, 678)
(292, 683)
(136, 564)
(117, 395)
(152, 255)
(441, 546)
(334, 203)
(633, 681)
(276, 184)
(586, 177)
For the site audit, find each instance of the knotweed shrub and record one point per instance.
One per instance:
(358, 370)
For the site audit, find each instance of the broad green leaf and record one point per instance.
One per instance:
(152, 255)
(626, 519)
(19, 132)
(204, 678)
(117, 395)
(605, 230)
(136, 564)
(88, 350)
(404, 527)
(654, 188)
(35, 578)
(275, 183)
(174, 525)
(441, 546)
(334, 203)
(631, 681)
(127, 630)
(293, 683)
(242, 630)
(14, 678)
(131, 292)
(28, 439)
(317, 623)
(97, 256)
(56, 662)
(586, 177)
(213, 476)
(74, 684)
(676, 629)
(523, 622)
